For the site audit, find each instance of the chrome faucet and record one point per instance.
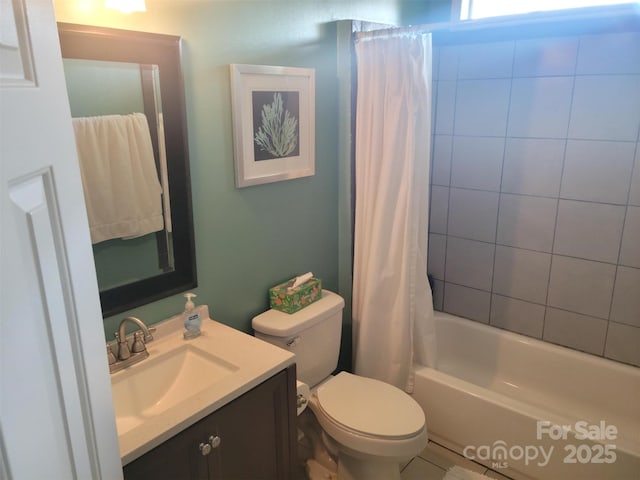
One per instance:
(128, 356)
(123, 346)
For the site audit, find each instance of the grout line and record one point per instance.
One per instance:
(532, 303)
(618, 264)
(531, 195)
(550, 75)
(530, 250)
(504, 153)
(555, 223)
(453, 127)
(534, 137)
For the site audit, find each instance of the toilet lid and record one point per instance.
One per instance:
(370, 406)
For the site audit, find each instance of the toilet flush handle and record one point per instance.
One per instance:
(292, 342)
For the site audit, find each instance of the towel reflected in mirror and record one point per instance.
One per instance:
(122, 192)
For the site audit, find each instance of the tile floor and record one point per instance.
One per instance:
(435, 460)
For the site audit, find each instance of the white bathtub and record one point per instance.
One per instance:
(492, 388)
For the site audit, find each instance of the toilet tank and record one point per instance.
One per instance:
(312, 334)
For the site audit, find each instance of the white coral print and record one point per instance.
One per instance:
(277, 135)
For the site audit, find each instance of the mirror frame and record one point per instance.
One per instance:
(110, 44)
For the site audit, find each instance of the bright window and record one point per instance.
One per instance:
(474, 9)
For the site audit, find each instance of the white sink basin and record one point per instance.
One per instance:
(163, 381)
(183, 381)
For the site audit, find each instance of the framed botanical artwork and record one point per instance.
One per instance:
(273, 111)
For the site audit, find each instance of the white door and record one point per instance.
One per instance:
(56, 413)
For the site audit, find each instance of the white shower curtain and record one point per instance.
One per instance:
(393, 325)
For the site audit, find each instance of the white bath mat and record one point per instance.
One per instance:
(459, 473)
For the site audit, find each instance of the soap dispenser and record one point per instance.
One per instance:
(192, 320)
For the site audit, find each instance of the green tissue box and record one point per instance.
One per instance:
(287, 300)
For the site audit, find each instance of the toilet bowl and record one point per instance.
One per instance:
(375, 425)
(362, 428)
(370, 417)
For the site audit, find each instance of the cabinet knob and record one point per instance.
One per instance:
(214, 442)
(205, 449)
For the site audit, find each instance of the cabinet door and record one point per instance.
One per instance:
(257, 432)
(179, 458)
(257, 440)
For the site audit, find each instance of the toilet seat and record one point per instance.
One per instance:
(370, 407)
(369, 416)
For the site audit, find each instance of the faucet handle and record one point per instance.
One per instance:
(123, 347)
(149, 336)
(110, 355)
(138, 343)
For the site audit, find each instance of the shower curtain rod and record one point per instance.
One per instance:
(628, 12)
(393, 31)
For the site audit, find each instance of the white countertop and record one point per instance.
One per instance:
(256, 361)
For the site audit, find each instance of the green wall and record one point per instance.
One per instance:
(420, 12)
(252, 238)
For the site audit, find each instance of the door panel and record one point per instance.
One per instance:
(56, 412)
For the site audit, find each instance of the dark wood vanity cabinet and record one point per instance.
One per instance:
(251, 438)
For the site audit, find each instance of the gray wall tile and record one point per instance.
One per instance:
(445, 106)
(521, 274)
(527, 222)
(545, 56)
(436, 255)
(597, 171)
(581, 286)
(610, 53)
(438, 295)
(435, 62)
(495, 266)
(634, 195)
(533, 166)
(561, 327)
(467, 302)
(481, 107)
(630, 250)
(441, 162)
(517, 316)
(540, 107)
(477, 162)
(439, 209)
(448, 68)
(589, 230)
(626, 297)
(486, 60)
(469, 263)
(622, 343)
(434, 103)
(606, 107)
(473, 214)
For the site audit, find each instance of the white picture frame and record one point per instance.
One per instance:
(273, 114)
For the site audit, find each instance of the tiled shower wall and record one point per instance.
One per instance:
(535, 195)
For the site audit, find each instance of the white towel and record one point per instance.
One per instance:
(119, 177)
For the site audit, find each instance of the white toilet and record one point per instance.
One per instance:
(368, 427)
